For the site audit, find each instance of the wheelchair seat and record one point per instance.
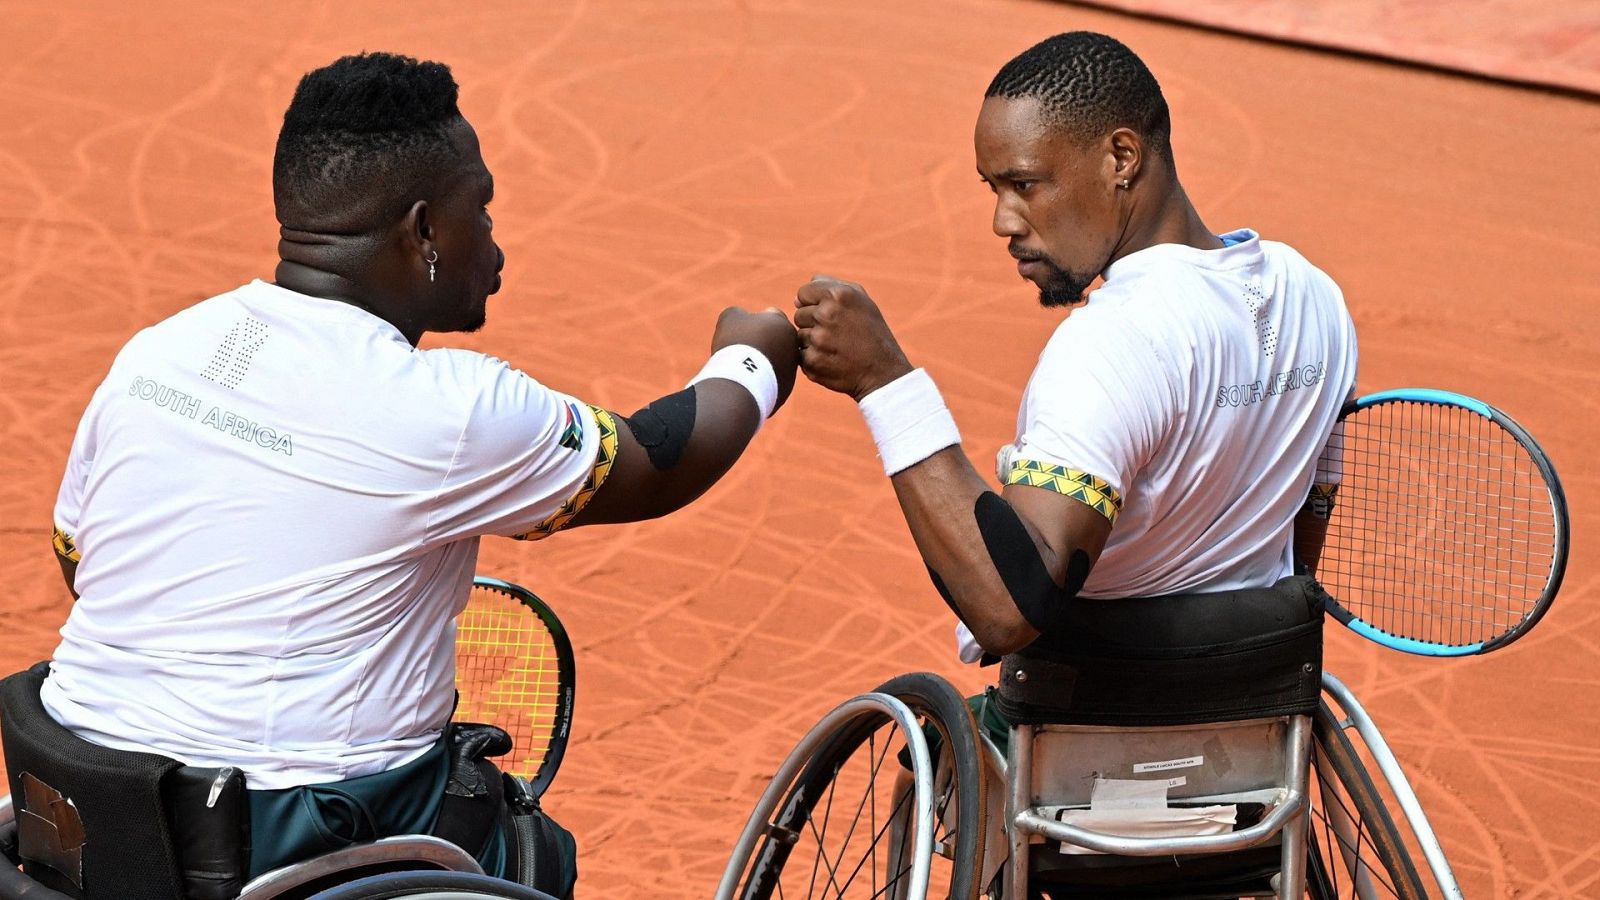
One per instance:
(87, 822)
(1160, 747)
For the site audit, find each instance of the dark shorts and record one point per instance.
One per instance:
(293, 824)
(990, 723)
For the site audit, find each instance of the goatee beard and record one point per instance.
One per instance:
(1062, 288)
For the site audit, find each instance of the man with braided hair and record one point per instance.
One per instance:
(272, 507)
(1168, 440)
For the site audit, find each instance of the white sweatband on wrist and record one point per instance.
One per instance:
(750, 369)
(908, 421)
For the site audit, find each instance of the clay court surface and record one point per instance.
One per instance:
(657, 161)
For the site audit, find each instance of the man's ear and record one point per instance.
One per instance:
(418, 225)
(1126, 157)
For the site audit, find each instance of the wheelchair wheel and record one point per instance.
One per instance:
(430, 885)
(1354, 847)
(845, 827)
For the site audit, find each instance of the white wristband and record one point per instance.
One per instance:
(908, 421)
(747, 367)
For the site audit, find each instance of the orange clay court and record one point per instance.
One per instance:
(658, 160)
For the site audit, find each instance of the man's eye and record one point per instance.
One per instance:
(1022, 187)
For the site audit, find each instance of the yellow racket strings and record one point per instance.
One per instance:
(507, 674)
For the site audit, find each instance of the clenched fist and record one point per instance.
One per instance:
(845, 345)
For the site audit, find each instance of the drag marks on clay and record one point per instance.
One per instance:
(657, 161)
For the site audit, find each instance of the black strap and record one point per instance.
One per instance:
(111, 839)
(1173, 660)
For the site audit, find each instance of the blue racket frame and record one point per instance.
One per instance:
(1558, 499)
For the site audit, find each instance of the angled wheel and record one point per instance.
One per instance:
(847, 823)
(1355, 849)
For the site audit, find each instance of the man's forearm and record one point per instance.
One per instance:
(726, 418)
(938, 497)
(1310, 531)
(1311, 527)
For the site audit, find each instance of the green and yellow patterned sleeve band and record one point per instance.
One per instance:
(604, 458)
(65, 547)
(1093, 491)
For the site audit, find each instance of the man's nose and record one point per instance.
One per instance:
(1007, 223)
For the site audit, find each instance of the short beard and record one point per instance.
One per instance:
(466, 322)
(1062, 288)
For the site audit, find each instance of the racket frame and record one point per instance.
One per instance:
(566, 674)
(1561, 536)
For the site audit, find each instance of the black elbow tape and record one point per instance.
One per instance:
(663, 428)
(987, 659)
(1026, 577)
(944, 592)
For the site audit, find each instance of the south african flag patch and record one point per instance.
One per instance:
(572, 434)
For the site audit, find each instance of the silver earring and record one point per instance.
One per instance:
(1125, 184)
(434, 257)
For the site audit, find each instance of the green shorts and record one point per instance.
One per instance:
(990, 723)
(293, 824)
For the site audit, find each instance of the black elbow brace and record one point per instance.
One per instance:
(1016, 558)
(663, 428)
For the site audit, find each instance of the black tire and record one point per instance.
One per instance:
(940, 707)
(429, 885)
(1370, 844)
(937, 702)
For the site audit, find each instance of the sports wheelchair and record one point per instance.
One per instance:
(78, 844)
(1164, 748)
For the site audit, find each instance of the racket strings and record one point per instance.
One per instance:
(1444, 530)
(508, 674)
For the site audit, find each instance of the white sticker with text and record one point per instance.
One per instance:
(1166, 765)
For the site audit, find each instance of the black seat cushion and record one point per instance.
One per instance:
(111, 840)
(1177, 660)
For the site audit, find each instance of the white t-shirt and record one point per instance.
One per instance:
(277, 500)
(1189, 401)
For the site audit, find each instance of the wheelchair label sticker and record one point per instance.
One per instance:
(1122, 793)
(1167, 765)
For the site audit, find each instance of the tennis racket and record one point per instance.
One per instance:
(1449, 533)
(514, 669)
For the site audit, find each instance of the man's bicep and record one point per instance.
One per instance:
(1069, 529)
(627, 486)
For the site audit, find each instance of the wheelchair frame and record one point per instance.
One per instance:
(1288, 817)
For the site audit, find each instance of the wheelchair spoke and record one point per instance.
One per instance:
(872, 823)
(822, 855)
(878, 836)
(1351, 831)
(880, 831)
(826, 813)
(1355, 855)
(866, 797)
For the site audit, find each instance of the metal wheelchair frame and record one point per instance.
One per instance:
(1287, 817)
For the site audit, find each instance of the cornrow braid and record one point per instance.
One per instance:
(1089, 84)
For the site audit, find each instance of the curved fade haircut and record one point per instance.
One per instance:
(1089, 84)
(361, 134)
